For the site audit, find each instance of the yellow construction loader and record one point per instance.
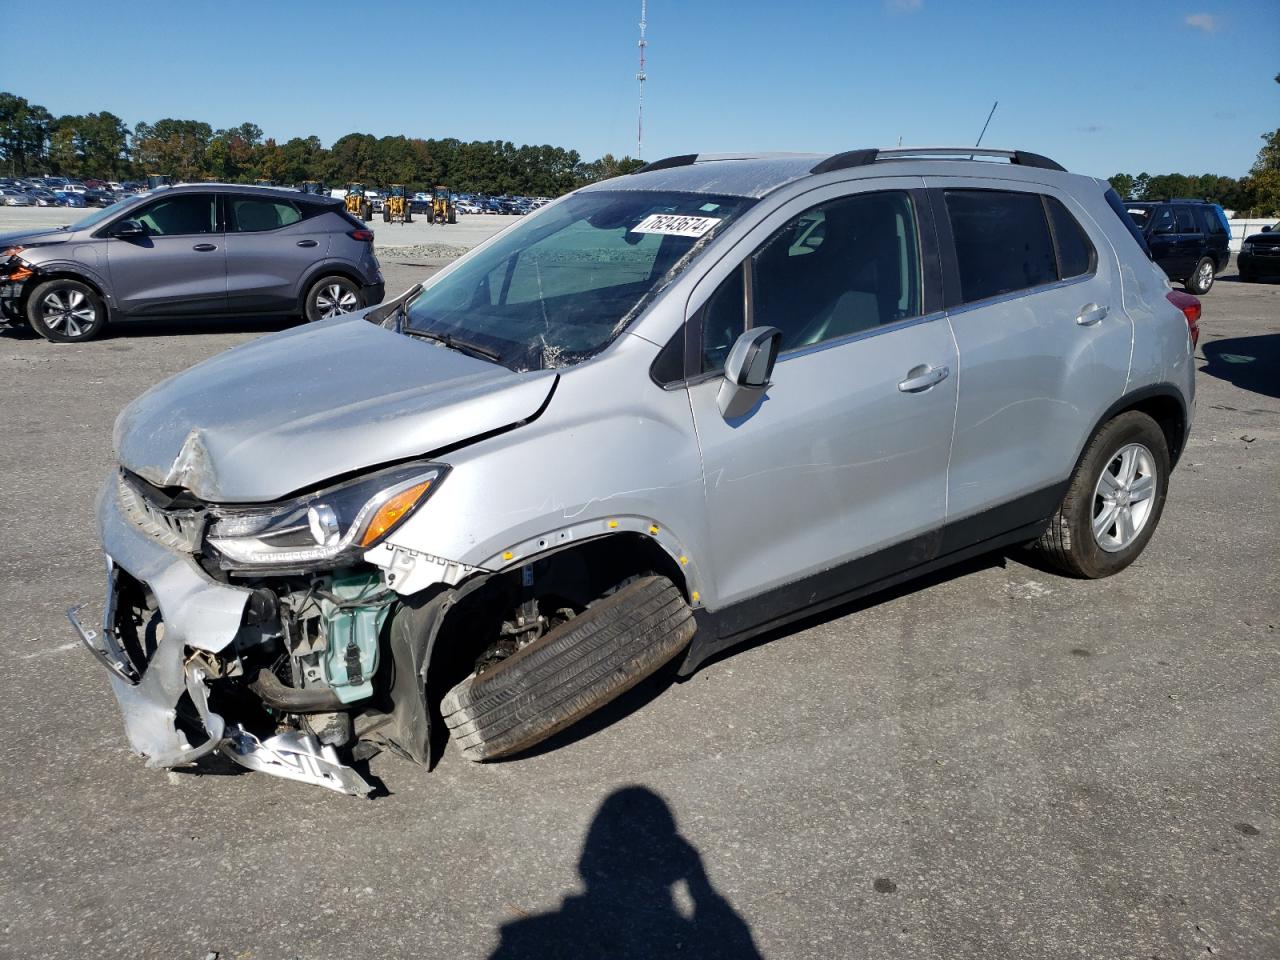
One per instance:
(395, 209)
(443, 209)
(358, 205)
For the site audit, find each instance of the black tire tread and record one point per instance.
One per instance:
(574, 669)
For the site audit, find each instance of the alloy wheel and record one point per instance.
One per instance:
(334, 299)
(67, 311)
(1206, 275)
(1124, 497)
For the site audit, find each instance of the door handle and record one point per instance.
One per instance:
(205, 247)
(306, 243)
(923, 377)
(1090, 314)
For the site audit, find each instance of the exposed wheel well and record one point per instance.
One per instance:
(573, 576)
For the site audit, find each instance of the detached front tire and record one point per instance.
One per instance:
(1114, 500)
(66, 311)
(571, 671)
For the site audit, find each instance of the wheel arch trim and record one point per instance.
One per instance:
(1142, 400)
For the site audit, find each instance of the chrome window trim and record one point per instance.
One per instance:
(867, 334)
(1024, 292)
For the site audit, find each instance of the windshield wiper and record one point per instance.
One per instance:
(454, 343)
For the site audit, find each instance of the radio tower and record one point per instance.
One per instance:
(642, 77)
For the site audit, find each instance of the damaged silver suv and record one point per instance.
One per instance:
(663, 414)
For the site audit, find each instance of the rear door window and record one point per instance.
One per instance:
(1186, 220)
(257, 214)
(1002, 242)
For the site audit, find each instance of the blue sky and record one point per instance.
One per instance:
(1102, 87)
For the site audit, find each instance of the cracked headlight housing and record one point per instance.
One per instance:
(328, 528)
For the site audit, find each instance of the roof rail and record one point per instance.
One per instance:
(861, 158)
(680, 160)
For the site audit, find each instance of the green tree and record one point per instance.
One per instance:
(1122, 183)
(1264, 177)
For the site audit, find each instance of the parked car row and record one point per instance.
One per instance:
(61, 192)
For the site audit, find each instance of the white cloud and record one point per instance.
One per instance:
(1202, 21)
(904, 6)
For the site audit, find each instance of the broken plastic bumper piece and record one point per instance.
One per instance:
(199, 615)
(295, 756)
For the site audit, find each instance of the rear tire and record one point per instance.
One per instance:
(1201, 280)
(1103, 524)
(571, 671)
(66, 311)
(331, 296)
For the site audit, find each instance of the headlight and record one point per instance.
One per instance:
(333, 525)
(1246, 248)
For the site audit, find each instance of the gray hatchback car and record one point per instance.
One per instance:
(193, 250)
(659, 416)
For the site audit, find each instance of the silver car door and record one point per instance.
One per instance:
(1041, 357)
(846, 454)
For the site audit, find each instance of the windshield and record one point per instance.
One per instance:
(95, 218)
(559, 287)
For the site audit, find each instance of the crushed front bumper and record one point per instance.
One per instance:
(198, 614)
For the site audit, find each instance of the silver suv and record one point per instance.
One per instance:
(193, 250)
(663, 414)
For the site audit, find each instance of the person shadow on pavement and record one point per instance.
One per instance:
(631, 863)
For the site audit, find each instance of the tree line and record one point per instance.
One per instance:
(1257, 194)
(34, 142)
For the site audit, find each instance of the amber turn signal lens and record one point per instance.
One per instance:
(20, 274)
(392, 512)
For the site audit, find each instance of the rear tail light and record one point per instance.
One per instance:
(1190, 307)
(367, 235)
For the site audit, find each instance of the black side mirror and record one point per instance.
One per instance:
(128, 230)
(747, 371)
(1266, 229)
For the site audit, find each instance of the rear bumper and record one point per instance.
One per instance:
(374, 293)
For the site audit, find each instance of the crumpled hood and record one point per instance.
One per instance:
(292, 410)
(31, 238)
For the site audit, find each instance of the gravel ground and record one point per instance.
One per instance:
(993, 763)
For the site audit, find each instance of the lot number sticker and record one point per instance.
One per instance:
(674, 225)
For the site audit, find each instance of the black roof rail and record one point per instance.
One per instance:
(842, 161)
(860, 158)
(680, 160)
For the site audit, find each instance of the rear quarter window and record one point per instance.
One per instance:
(1076, 255)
